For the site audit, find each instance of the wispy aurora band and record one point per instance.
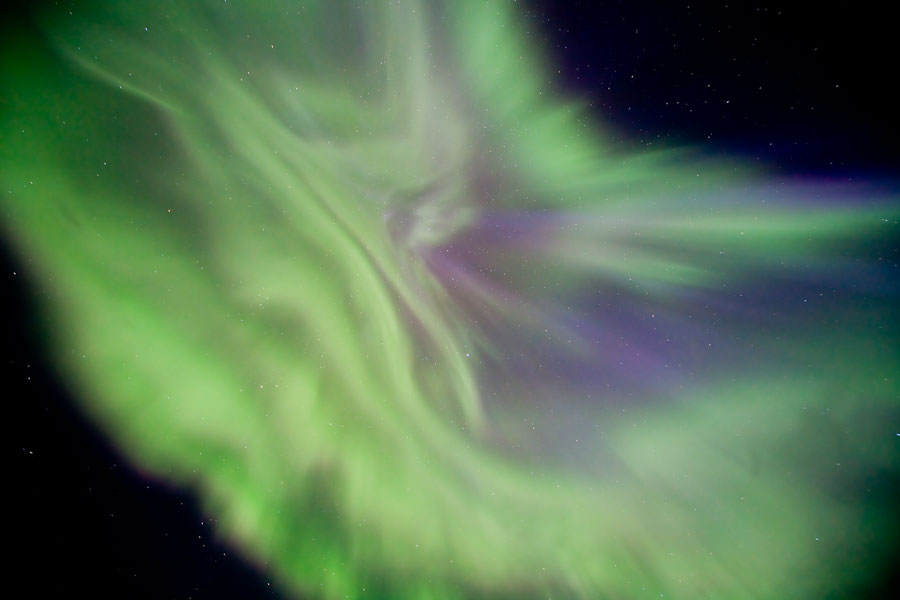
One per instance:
(409, 328)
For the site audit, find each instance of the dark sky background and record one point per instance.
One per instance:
(804, 92)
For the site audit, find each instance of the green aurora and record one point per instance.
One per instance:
(405, 323)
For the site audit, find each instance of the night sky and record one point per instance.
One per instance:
(802, 92)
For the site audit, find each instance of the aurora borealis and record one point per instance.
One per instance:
(364, 281)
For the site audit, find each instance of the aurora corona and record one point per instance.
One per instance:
(407, 326)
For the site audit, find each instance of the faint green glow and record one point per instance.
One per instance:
(232, 214)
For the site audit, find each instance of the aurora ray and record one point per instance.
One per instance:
(409, 327)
